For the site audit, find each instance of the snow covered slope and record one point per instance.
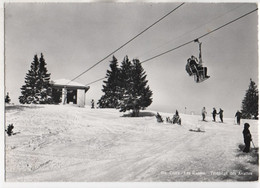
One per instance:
(67, 143)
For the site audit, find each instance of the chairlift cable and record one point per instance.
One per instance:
(199, 37)
(95, 81)
(126, 43)
(181, 36)
(188, 41)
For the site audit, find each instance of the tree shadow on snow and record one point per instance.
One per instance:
(141, 114)
(241, 174)
(20, 107)
(253, 154)
(246, 166)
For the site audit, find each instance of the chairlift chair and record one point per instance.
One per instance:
(194, 71)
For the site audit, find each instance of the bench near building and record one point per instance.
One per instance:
(68, 92)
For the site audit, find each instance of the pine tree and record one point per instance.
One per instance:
(7, 98)
(250, 102)
(111, 88)
(43, 82)
(29, 90)
(136, 95)
(36, 89)
(125, 85)
(141, 89)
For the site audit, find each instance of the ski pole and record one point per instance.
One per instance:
(253, 143)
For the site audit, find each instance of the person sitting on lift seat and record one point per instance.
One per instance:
(197, 68)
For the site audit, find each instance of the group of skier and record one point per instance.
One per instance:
(214, 113)
(246, 132)
(175, 119)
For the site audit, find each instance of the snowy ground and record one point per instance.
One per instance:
(67, 143)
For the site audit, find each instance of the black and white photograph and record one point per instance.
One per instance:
(130, 92)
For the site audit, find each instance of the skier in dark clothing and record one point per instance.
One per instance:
(247, 137)
(196, 68)
(9, 130)
(92, 103)
(177, 113)
(238, 115)
(176, 118)
(188, 67)
(159, 118)
(214, 113)
(221, 115)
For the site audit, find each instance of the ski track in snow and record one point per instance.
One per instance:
(67, 143)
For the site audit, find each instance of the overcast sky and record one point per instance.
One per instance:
(74, 36)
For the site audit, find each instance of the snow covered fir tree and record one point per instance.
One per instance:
(43, 82)
(250, 102)
(110, 99)
(135, 93)
(126, 87)
(29, 89)
(37, 88)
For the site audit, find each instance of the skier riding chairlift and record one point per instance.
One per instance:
(197, 69)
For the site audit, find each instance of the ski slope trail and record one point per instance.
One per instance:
(66, 143)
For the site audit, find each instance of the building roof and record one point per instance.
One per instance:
(68, 84)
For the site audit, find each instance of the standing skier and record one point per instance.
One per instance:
(247, 137)
(203, 113)
(238, 115)
(221, 115)
(92, 103)
(214, 113)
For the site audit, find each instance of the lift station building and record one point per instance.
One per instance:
(69, 92)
